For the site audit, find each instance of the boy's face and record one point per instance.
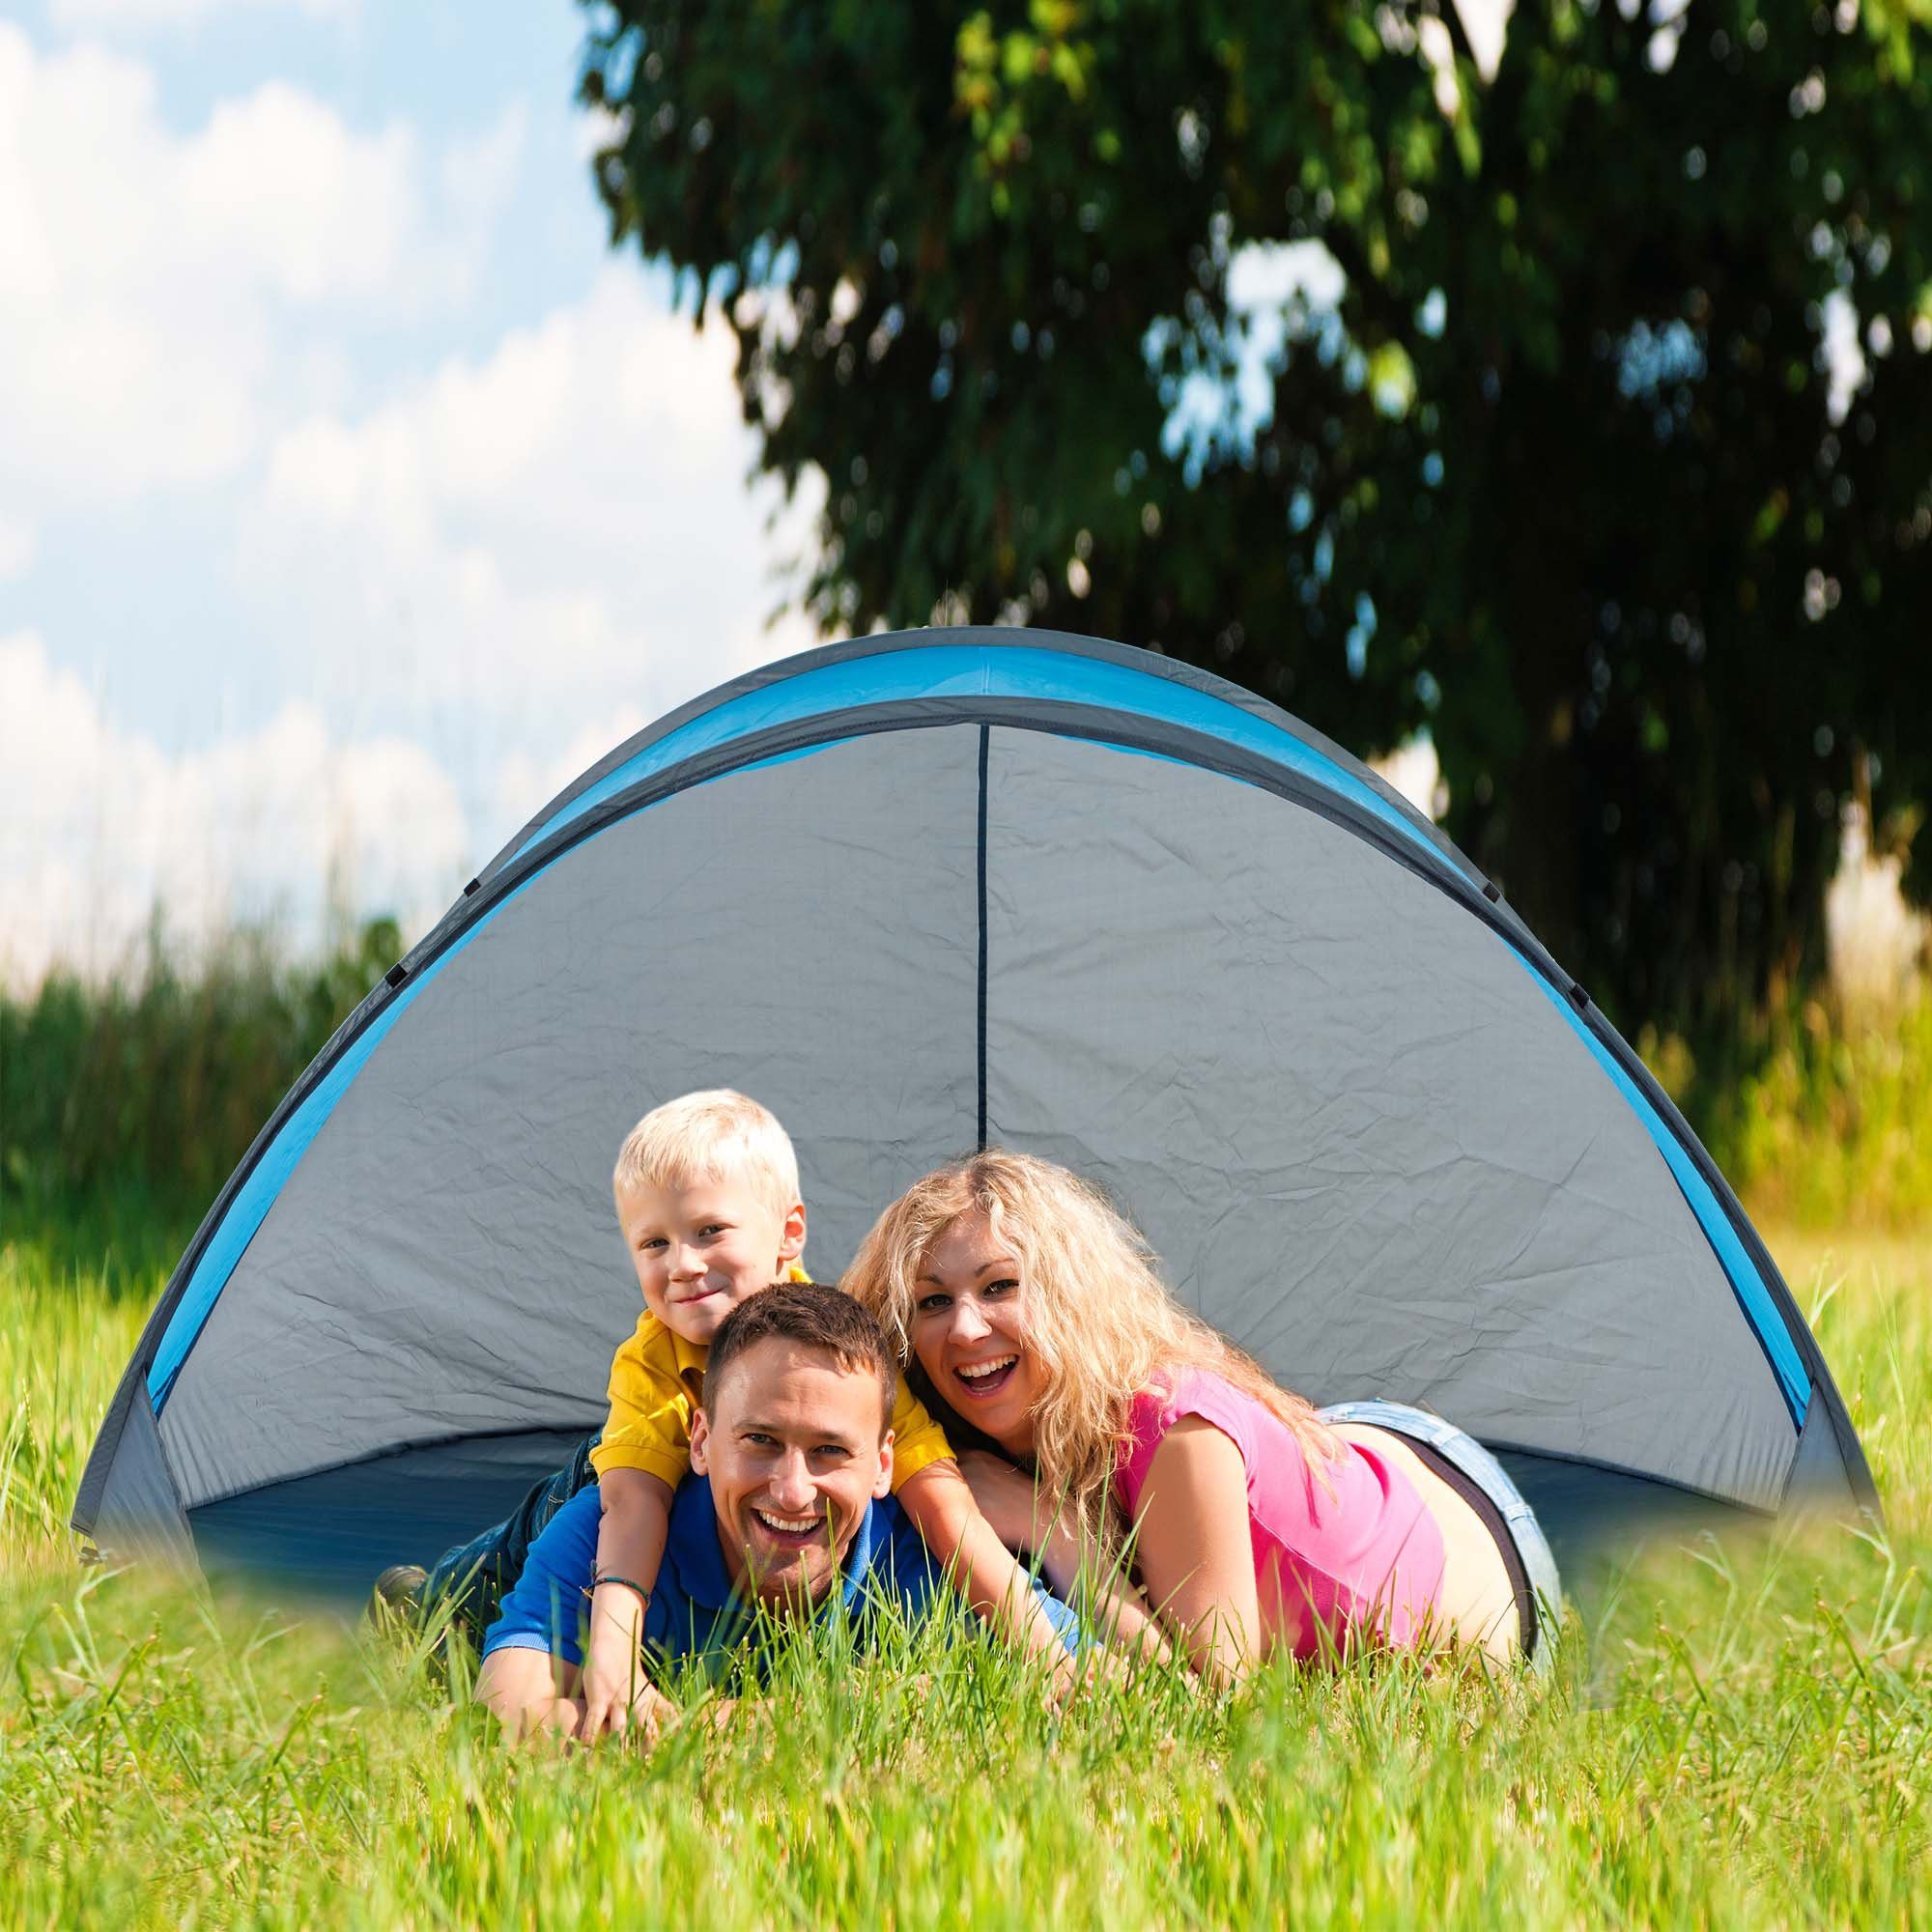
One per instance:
(700, 1250)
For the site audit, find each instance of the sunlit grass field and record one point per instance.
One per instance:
(1743, 1738)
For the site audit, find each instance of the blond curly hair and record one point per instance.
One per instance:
(1101, 1325)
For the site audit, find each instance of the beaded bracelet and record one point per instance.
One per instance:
(596, 1583)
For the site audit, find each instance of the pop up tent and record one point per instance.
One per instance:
(921, 893)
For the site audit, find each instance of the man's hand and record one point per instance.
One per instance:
(617, 1692)
(531, 1694)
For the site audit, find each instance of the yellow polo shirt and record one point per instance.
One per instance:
(657, 1382)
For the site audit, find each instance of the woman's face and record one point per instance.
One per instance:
(969, 1330)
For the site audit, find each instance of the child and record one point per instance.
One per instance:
(707, 1194)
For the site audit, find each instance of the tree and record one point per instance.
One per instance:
(1566, 472)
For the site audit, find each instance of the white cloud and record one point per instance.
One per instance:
(418, 594)
(560, 528)
(98, 826)
(341, 207)
(146, 16)
(157, 291)
(19, 541)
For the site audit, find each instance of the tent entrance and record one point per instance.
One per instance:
(326, 1537)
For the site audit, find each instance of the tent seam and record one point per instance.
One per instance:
(986, 740)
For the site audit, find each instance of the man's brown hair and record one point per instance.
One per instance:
(815, 1316)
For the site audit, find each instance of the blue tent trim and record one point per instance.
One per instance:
(270, 1174)
(959, 673)
(979, 671)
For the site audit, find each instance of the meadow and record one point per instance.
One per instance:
(1744, 1736)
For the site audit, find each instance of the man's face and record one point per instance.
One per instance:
(702, 1249)
(795, 1447)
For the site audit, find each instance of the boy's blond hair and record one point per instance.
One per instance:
(714, 1134)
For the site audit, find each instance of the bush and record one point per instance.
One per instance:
(153, 1085)
(1824, 1116)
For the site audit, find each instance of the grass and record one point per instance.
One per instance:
(1745, 1740)
(1815, 1111)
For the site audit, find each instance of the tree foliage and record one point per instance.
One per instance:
(1563, 471)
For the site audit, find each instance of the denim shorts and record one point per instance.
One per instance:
(1461, 1450)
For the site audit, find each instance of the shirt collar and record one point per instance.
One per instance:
(689, 1357)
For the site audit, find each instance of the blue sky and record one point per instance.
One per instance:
(353, 495)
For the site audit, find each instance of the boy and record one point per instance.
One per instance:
(707, 1195)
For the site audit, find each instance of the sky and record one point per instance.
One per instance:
(353, 494)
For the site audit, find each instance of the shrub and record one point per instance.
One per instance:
(1824, 1116)
(157, 1082)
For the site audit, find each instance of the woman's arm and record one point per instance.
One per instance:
(1197, 1554)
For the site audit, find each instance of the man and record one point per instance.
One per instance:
(785, 1516)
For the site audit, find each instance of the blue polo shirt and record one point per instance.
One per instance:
(694, 1611)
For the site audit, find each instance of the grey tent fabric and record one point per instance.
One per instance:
(1819, 1478)
(138, 1513)
(1380, 1179)
(918, 893)
(795, 932)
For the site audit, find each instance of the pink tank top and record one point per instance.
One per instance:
(1365, 1559)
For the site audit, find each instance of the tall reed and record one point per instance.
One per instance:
(144, 1091)
(1821, 1114)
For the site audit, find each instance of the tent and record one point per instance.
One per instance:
(920, 892)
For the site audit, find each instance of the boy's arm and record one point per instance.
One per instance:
(981, 1567)
(643, 1454)
(1019, 1517)
(631, 1540)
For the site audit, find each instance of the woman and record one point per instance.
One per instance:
(1031, 1311)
